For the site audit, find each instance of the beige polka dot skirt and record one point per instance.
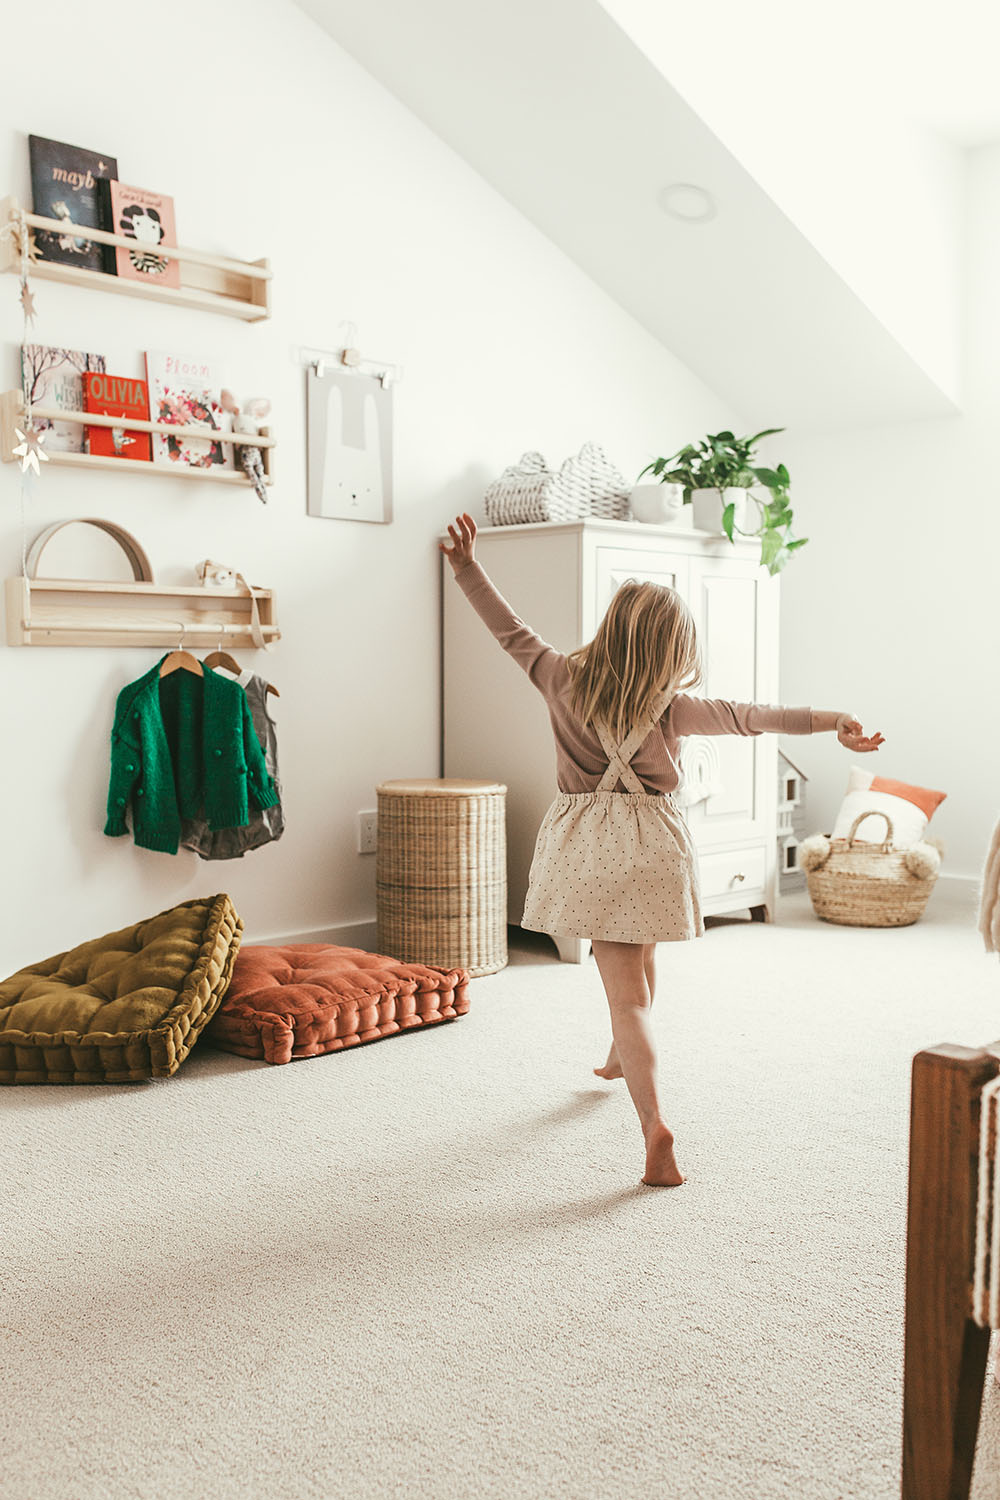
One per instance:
(616, 866)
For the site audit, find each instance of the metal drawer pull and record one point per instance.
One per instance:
(739, 877)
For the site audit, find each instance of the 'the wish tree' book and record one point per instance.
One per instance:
(64, 185)
(54, 378)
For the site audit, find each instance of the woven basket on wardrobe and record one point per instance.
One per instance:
(587, 484)
(868, 885)
(441, 873)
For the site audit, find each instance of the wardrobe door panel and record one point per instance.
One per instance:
(615, 565)
(725, 601)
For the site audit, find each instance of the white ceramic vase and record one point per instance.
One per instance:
(708, 505)
(657, 504)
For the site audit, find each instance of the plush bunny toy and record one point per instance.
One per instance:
(250, 458)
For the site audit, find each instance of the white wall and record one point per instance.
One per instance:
(273, 142)
(561, 109)
(812, 110)
(892, 608)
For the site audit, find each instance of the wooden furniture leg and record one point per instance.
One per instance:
(572, 950)
(945, 1350)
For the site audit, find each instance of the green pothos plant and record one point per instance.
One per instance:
(723, 462)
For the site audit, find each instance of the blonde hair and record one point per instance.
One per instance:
(645, 646)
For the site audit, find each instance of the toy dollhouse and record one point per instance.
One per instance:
(791, 824)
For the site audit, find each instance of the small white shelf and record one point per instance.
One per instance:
(209, 283)
(12, 415)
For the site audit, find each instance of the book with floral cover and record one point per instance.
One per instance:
(186, 391)
(54, 378)
(65, 184)
(147, 218)
(117, 396)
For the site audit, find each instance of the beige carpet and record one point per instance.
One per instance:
(426, 1268)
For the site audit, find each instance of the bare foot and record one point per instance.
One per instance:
(612, 1068)
(661, 1164)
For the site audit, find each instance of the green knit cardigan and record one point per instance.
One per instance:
(183, 746)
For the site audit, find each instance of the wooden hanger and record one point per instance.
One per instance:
(180, 661)
(223, 659)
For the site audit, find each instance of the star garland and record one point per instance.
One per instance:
(29, 451)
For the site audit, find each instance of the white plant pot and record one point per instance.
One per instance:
(708, 505)
(657, 504)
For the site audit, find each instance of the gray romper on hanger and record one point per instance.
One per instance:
(265, 825)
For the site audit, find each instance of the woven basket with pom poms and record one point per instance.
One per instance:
(868, 885)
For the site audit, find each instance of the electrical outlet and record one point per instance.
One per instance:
(367, 832)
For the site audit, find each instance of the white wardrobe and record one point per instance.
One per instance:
(560, 577)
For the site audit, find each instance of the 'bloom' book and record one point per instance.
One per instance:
(65, 184)
(53, 378)
(147, 218)
(117, 396)
(186, 391)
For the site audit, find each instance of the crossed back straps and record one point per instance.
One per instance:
(620, 756)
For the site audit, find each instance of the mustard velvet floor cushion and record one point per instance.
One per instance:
(310, 998)
(123, 1007)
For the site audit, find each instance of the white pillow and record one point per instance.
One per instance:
(909, 807)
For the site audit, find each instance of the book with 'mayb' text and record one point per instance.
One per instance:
(66, 185)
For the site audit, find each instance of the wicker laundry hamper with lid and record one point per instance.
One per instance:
(861, 884)
(441, 873)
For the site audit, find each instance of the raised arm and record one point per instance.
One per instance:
(689, 715)
(542, 662)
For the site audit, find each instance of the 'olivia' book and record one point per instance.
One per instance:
(117, 396)
(147, 218)
(54, 378)
(65, 184)
(186, 391)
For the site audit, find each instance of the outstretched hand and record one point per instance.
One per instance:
(851, 735)
(463, 535)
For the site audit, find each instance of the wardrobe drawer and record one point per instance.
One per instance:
(738, 870)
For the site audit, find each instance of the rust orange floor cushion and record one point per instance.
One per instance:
(123, 1007)
(310, 998)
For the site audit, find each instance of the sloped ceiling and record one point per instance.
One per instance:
(569, 119)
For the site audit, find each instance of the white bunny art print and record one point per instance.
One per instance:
(350, 446)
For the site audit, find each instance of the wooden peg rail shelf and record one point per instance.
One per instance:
(210, 283)
(12, 416)
(82, 612)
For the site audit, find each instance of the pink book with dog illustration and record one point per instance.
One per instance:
(148, 219)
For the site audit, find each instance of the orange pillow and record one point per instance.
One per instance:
(909, 807)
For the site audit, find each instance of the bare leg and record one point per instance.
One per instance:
(623, 971)
(612, 1068)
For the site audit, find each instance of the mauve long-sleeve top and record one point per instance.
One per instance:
(580, 760)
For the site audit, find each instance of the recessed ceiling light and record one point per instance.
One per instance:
(687, 202)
